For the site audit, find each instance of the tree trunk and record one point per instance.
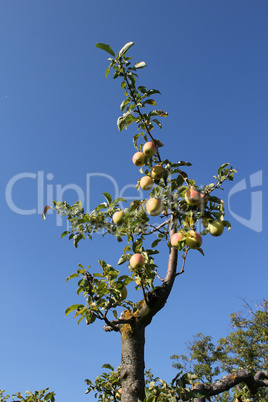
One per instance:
(132, 362)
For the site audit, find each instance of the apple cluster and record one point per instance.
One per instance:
(154, 207)
(193, 239)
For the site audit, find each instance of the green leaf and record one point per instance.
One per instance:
(158, 113)
(150, 102)
(201, 251)
(125, 120)
(108, 197)
(123, 258)
(108, 71)
(125, 48)
(158, 123)
(227, 224)
(72, 308)
(64, 234)
(75, 275)
(155, 243)
(222, 167)
(107, 48)
(141, 64)
(108, 366)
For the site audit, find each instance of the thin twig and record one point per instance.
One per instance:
(183, 263)
(157, 228)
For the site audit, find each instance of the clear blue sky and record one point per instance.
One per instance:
(58, 117)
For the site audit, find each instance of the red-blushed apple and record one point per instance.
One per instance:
(154, 206)
(175, 239)
(149, 148)
(192, 196)
(215, 228)
(118, 217)
(193, 239)
(138, 159)
(146, 183)
(136, 261)
(157, 172)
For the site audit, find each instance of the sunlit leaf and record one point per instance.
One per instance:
(141, 64)
(107, 48)
(125, 48)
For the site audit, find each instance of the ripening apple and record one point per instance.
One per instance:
(215, 228)
(175, 239)
(193, 239)
(136, 261)
(118, 217)
(138, 159)
(154, 206)
(192, 196)
(157, 172)
(149, 148)
(146, 183)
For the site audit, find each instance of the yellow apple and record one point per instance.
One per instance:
(138, 159)
(192, 196)
(215, 228)
(118, 217)
(149, 149)
(136, 261)
(146, 183)
(193, 239)
(154, 206)
(175, 239)
(157, 172)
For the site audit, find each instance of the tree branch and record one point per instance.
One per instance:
(157, 228)
(114, 325)
(229, 381)
(183, 263)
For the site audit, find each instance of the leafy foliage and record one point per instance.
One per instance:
(37, 396)
(102, 291)
(105, 289)
(246, 347)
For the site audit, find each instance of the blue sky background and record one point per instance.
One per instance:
(58, 117)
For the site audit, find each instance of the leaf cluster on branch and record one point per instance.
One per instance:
(174, 197)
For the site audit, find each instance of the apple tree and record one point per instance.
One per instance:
(172, 210)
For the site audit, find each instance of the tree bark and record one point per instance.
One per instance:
(132, 329)
(132, 362)
(229, 381)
